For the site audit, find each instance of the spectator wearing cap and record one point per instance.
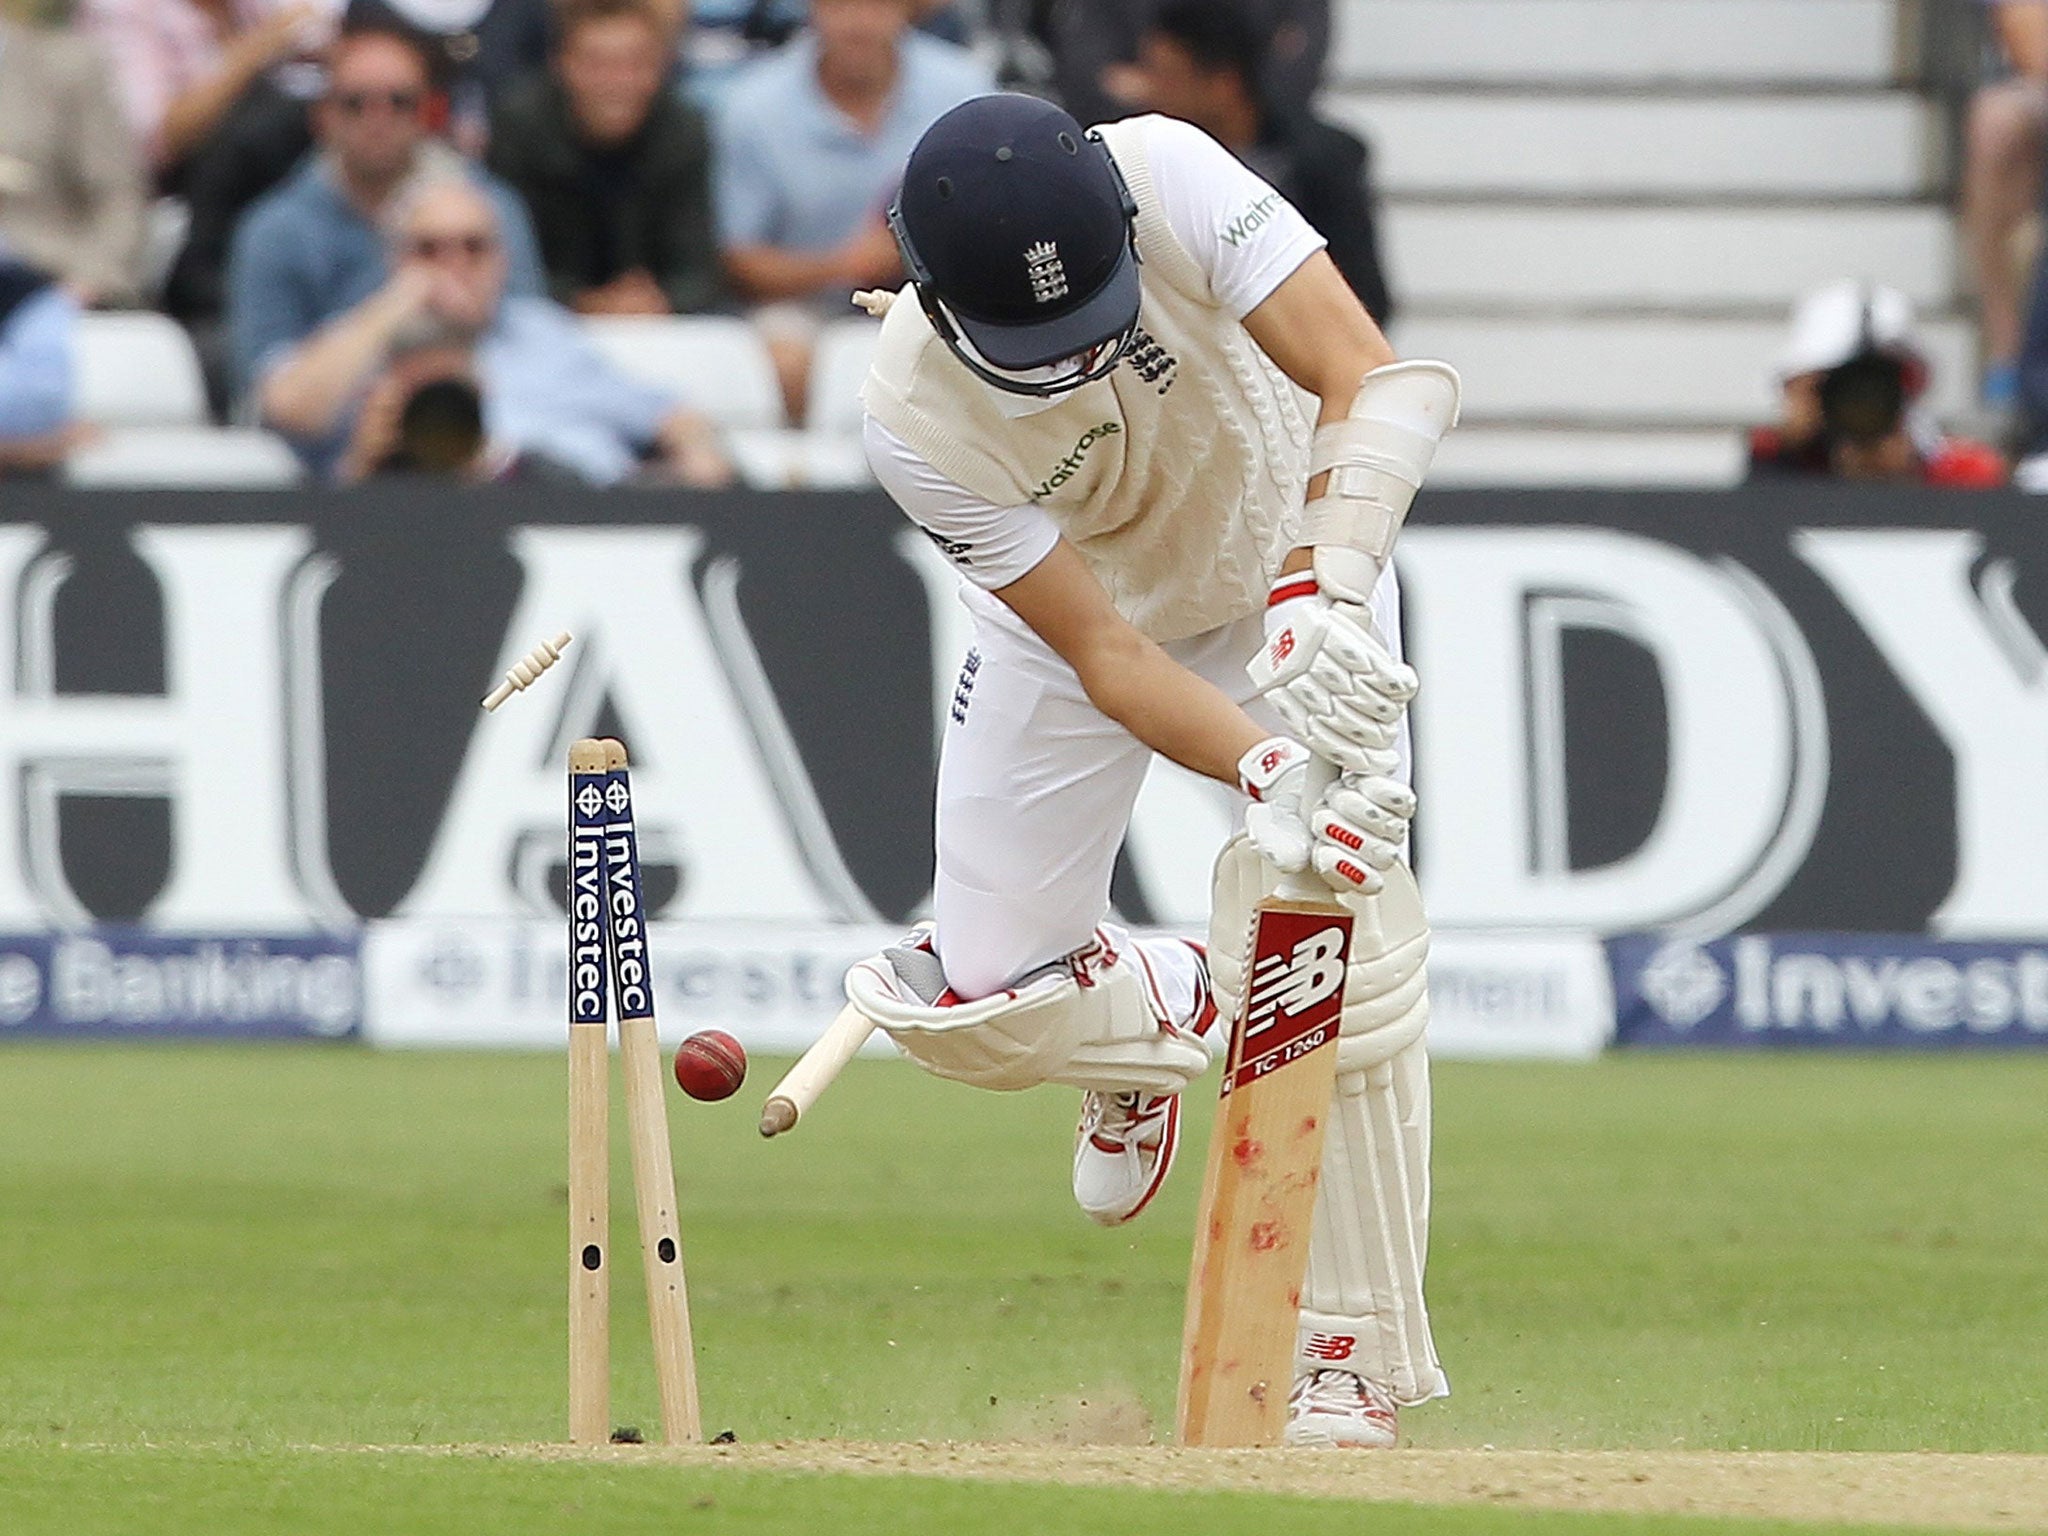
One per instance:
(71, 185)
(2004, 138)
(614, 168)
(312, 251)
(1852, 379)
(810, 143)
(543, 387)
(37, 319)
(1200, 61)
(1095, 69)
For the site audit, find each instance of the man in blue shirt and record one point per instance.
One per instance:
(810, 142)
(543, 388)
(37, 319)
(312, 252)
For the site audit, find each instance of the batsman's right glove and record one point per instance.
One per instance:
(1352, 833)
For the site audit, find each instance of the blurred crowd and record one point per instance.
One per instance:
(379, 220)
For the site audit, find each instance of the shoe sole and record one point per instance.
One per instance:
(1322, 1439)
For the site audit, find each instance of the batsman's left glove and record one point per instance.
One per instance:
(1338, 688)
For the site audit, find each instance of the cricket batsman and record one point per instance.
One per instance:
(1132, 399)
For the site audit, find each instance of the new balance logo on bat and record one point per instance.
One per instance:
(1292, 984)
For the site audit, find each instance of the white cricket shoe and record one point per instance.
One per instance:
(1123, 1152)
(1124, 1146)
(1338, 1408)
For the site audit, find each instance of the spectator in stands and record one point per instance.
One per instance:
(721, 35)
(183, 64)
(543, 387)
(37, 317)
(312, 251)
(1200, 61)
(261, 137)
(477, 47)
(1094, 48)
(1852, 378)
(2003, 162)
(615, 170)
(425, 416)
(71, 189)
(810, 144)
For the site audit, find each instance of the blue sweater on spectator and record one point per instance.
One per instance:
(791, 170)
(304, 254)
(37, 322)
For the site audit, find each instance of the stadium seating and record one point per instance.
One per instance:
(775, 459)
(1625, 42)
(1603, 210)
(715, 362)
(223, 457)
(837, 369)
(137, 370)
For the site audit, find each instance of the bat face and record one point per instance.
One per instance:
(1258, 1197)
(1296, 989)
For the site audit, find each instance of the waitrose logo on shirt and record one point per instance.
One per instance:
(1068, 466)
(1251, 221)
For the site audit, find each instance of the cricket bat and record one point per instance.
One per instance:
(1259, 1193)
(815, 1070)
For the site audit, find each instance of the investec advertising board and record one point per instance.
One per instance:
(251, 720)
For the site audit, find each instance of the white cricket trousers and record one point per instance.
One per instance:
(1035, 791)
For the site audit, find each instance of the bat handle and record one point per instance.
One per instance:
(1308, 885)
(815, 1070)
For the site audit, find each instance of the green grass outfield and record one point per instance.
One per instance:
(214, 1259)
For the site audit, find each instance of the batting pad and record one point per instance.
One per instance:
(1362, 1308)
(1111, 1034)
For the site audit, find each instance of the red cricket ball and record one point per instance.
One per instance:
(711, 1065)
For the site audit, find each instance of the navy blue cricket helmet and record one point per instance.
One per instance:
(1016, 228)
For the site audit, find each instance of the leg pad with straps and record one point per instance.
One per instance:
(1362, 1303)
(1095, 1021)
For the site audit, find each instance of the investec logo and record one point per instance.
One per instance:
(629, 943)
(586, 912)
(1767, 987)
(1068, 466)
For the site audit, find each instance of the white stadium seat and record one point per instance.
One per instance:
(840, 364)
(1648, 371)
(1812, 42)
(214, 458)
(1524, 457)
(1464, 142)
(138, 370)
(716, 363)
(775, 459)
(1716, 257)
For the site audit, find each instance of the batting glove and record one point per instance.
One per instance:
(1360, 826)
(1338, 688)
(1275, 775)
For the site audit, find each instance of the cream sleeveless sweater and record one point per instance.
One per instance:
(1178, 478)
